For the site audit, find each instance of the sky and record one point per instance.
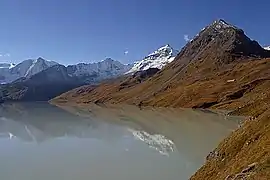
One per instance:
(72, 31)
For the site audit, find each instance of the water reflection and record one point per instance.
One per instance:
(166, 130)
(40, 121)
(41, 141)
(157, 141)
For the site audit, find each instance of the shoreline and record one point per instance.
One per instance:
(231, 158)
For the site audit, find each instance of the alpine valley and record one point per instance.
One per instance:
(220, 68)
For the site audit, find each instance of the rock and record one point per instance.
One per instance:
(231, 80)
(249, 168)
(212, 154)
(229, 177)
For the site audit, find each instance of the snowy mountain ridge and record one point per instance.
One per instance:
(26, 69)
(107, 68)
(104, 69)
(158, 59)
(267, 48)
(91, 72)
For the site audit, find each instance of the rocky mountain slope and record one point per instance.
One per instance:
(26, 68)
(158, 59)
(4, 69)
(42, 86)
(220, 68)
(218, 50)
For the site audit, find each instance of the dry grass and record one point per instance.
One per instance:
(206, 86)
(247, 145)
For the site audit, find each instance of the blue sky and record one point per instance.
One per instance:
(71, 31)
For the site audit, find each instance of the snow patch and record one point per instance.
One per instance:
(220, 25)
(31, 67)
(158, 59)
(27, 68)
(267, 48)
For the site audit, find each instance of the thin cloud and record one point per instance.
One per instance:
(126, 52)
(186, 38)
(7, 55)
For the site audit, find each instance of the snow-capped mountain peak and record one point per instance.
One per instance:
(158, 59)
(221, 24)
(163, 51)
(97, 71)
(267, 48)
(26, 68)
(217, 27)
(30, 67)
(92, 72)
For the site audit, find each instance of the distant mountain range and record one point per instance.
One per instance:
(40, 79)
(91, 72)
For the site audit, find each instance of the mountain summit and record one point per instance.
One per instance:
(95, 72)
(219, 43)
(26, 69)
(158, 59)
(209, 60)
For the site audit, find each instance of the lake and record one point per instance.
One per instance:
(39, 141)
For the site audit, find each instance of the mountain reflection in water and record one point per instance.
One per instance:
(113, 142)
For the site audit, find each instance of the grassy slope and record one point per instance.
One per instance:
(248, 95)
(247, 145)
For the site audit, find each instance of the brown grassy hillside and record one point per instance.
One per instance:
(221, 68)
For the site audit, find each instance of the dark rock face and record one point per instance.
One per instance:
(138, 77)
(2, 77)
(220, 43)
(145, 74)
